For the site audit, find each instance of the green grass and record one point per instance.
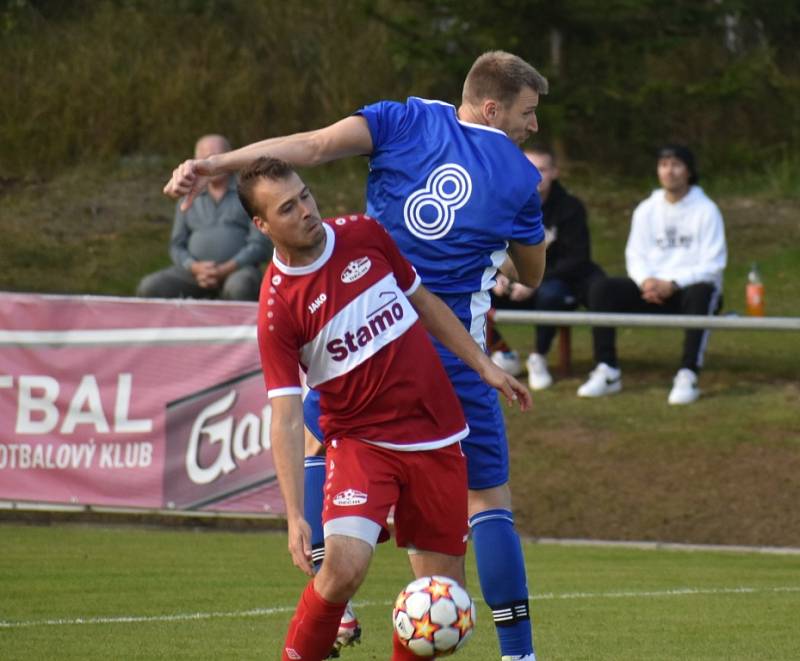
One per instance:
(723, 470)
(79, 592)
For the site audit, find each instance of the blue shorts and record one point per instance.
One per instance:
(311, 414)
(486, 447)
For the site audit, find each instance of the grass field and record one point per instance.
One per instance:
(81, 592)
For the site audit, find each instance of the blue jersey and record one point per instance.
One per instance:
(451, 194)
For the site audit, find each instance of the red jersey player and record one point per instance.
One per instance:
(341, 302)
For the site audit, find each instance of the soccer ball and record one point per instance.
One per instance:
(433, 616)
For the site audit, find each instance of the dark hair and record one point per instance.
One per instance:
(501, 76)
(541, 150)
(683, 154)
(264, 167)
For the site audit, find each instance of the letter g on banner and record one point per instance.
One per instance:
(447, 189)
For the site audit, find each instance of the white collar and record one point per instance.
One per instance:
(316, 265)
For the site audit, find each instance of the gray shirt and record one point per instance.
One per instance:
(216, 232)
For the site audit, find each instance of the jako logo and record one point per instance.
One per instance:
(377, 322)
(316, 304)
(355, 269)
(349, 497)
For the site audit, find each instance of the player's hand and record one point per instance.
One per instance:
(520, 292)
(300, 545)
(501, 286)
(189, 179)
(508, 386)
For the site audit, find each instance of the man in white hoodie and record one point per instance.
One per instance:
(675, 257)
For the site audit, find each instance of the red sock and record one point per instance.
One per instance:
(400, 652)
(312, 630)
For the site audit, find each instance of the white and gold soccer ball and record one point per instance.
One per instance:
(434, 616)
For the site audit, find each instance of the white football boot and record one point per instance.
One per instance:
(684, 387)
(604, 380)
(349, 632)
(538, 376)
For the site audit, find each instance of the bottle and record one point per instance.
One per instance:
(755, 293)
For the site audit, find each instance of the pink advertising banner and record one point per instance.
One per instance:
(133, 403)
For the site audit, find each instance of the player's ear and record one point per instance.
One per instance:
(261, 225)
(489, 109)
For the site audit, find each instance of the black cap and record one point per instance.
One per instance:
(682, 154)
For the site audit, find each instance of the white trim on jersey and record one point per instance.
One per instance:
(463, 123)
(422, 446)
(479, 306)
(433, 102)
(482, 127)
(371, 321)
(316, 265)
(489, 277)
(284, 392)
(354, 526)
(414, 285)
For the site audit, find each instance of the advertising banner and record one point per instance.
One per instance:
(133, 403)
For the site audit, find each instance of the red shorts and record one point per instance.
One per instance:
(428, 489)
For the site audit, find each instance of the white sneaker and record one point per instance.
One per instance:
(516, 657)
(604, 380)
(508, 360)
(684, 387)
(538, 376)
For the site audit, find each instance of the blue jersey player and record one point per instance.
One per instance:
(458, 196)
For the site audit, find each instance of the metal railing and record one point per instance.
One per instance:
(567, 319)
(728, 322)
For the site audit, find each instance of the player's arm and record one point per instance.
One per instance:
(286, 437)
(440, 322)
(347, 137)
(528, 261)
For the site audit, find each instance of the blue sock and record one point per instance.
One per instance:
(314, 496)
(501, 571)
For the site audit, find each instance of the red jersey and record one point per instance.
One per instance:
(346, 321)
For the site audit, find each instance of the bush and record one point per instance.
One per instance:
(112, 78)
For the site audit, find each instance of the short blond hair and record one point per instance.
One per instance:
(501, 76)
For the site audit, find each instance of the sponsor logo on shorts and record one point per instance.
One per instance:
(349, 497)
(292, 653)
(355, 269)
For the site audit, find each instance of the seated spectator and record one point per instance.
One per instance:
(675, 257)
(568, 274)
(215, 247)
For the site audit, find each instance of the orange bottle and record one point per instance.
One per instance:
(755, 293)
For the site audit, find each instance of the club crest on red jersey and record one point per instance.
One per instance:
(356, 269)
